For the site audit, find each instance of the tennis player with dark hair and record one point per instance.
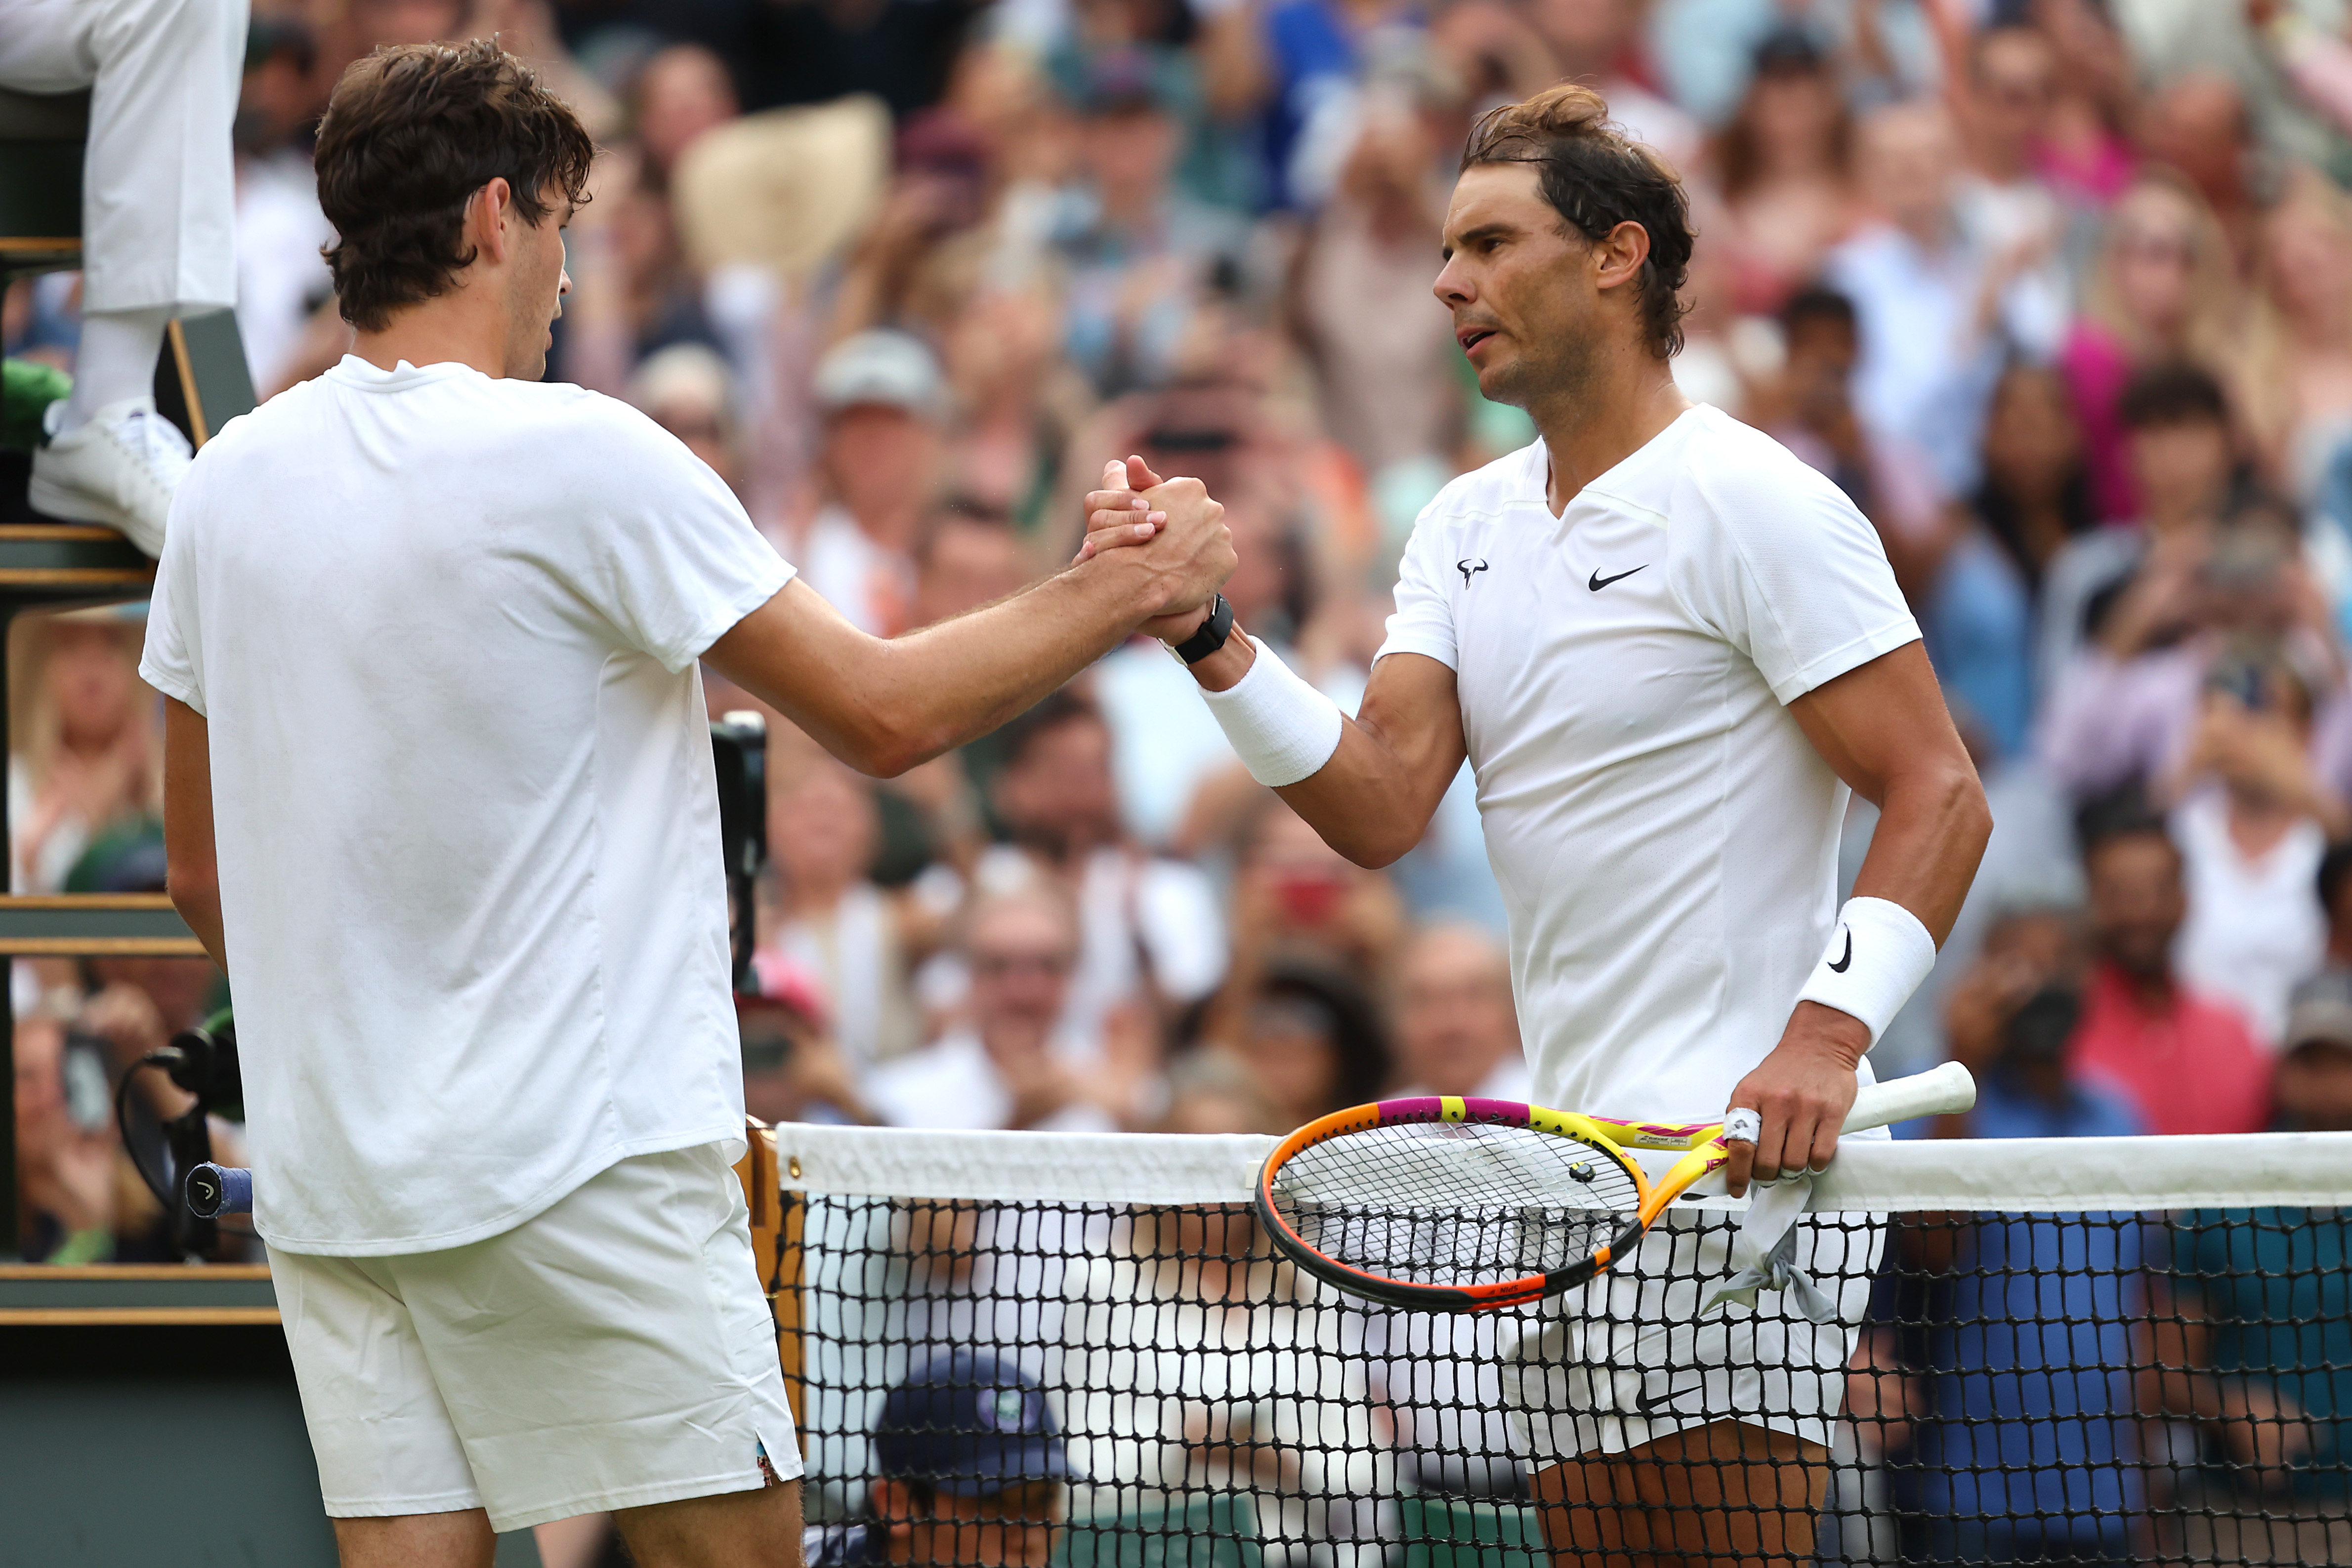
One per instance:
(1669, 649)
(439, 797)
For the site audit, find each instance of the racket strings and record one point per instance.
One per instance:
(1456, 1203)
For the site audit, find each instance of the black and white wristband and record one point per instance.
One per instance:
(1878, 954)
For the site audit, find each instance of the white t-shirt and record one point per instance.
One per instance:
(1664, 835)
(953, 1083)
(444, 629)
(2255, 929)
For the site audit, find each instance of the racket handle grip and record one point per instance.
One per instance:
(214, 1190)
(1940, 1091)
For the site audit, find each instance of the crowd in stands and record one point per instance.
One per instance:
(2058, 291)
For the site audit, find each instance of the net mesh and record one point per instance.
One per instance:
(1464, 1203)
(2167, 1378)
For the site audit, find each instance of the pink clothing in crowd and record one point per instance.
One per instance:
(2097, 367)
(2190, 1066)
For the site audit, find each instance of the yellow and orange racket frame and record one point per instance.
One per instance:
(1702, 1142)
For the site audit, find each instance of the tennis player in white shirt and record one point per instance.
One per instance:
(439, 797)
(1668, 648)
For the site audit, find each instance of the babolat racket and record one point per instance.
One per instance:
(1447, 1204)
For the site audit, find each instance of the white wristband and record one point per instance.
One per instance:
(1877, 956)
(1282, 728)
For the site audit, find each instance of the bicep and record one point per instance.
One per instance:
(1413, 708)
(1880, 720)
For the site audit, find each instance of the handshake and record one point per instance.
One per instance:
(1181, 546)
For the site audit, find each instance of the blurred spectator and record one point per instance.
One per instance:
(1884, 476)
(1213, 1091)
(1310, 1036)
(1600, 43)
(2083, 150)
(1785, 163)
(1940, 285)
(683, 92)
(1192, 1363)
(68, 1185)
(281, 277)
(857, 942)
(1292, 891)
(2161, 290)
(1012, 1063)
(1139, 253)
(2010, 1020)
(2007, 91)
(791, 1072)
(86, 751)
(2189, 1062)
(901, 51)
(2296, 383)
(1153, 936)
(1457, 1032)
(969, 1467)
(1384, 364)
(2253, 823)
(2252, 1332)
(2196, 122)
(966, 557)
(2333, 882)
(1884, 49)
(2113, 594)
(180, 992)
(884, 404)
(1980, 610)
(688, 391)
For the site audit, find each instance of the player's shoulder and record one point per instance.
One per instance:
(1736, 476)
(1486, 492)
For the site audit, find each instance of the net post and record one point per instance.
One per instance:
(775, 1216)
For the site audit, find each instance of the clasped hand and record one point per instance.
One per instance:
(1135, 508)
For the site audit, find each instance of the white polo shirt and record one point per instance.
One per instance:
(444, 631)
(1664, 835)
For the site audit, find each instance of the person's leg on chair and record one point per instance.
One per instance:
(1724, 1495)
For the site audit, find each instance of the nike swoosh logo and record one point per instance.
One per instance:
(1599, 582)
(1645, 1402)
(1845, 962)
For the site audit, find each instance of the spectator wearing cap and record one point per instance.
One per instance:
(2252, 1329)
(885, 408)
(1139, 254)
(2189, 1061)
(968, 1467)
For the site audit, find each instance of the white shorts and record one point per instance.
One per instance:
(613, 1351)
(1624, 1361)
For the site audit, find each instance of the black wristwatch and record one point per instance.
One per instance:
(1210, 637)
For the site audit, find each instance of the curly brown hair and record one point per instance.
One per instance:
(411, 133)
(1596, 177)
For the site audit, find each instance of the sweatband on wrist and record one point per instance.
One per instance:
(1282, 728)
(1877, 956)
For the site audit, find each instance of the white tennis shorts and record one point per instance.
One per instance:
(615, 1350)
(1626, 1360)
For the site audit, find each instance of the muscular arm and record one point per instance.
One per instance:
(193, 871)
(1882, 728)
(884, 705)
(1374, 799)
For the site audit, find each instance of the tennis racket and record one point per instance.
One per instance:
(1447, 1204)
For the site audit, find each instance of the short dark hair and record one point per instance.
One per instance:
(411, 133)
(1818, 303)
(2123, 812)
(1596, 177)
(2334, 867)
(2174, 393)
(1062, 707)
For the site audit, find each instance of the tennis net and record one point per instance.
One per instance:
(2087, 1350)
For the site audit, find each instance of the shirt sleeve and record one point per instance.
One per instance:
(170, 661)
(1423, 622)
(1783, 567)
(676, 563)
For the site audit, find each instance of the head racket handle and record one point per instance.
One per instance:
(1943, 1091)
(214, 1190)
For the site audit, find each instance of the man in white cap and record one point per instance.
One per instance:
(884, 403)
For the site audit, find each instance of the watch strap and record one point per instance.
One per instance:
(1212, 635)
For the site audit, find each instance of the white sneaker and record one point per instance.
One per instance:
(119, 470)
